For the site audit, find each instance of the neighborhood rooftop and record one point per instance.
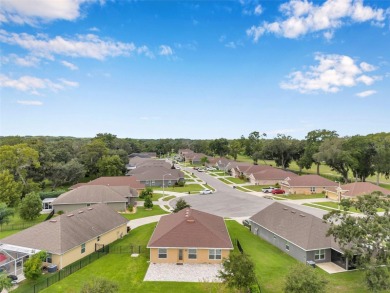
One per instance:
(114, 181)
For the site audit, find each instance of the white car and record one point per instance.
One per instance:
(206, 191)
(268, 189)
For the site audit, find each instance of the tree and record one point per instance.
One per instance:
(220, 146)
(30, 207)
(110, 166)
(5, 282)
(238, 271)
(17, 159)
(66, 173)
(100, 285)
(148, 191)
(282, 149)
(235, 148)
(91, 153)
(108, 138)
(10, 190)
(204, 160)
(5, 213)
(148, 204)
(381, 161)
(366, 238)
(304, 279)
(33, 266)
(180, 205)
(333, 152)
(363, 152)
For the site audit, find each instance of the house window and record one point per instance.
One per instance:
(319, 254)
(312, 189)
(288, 246)
(98, 238)
(83, 248)
(162, 253)
(88, 204)
(192, 253)
(215, 254)
(153, 183)
(49, 257)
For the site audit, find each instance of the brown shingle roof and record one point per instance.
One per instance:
(65, 232)
(300, 228)
(310, 181)
(360, 188)
(198, 230)
(114, 181)
(273, 174)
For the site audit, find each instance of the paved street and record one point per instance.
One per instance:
(232, 203)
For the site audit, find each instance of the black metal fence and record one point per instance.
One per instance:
(21, 226)
(74, 267)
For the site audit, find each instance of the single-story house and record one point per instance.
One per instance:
(114, 181)
(157, 176)
(306, 184)
(270, 176)
(72, 236)
(137, 162)
(150, 155)
(116, 197)
(235, 169)
(190, 236)
(195, 158)
(352, 190)
(47, 206)
(220, 163)
(299, 234)
(183, 153)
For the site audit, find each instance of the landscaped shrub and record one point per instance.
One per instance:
(180, 183)
(130, 208)
(148, 191)
(60, 213)
(148, 204)
(47, 194)
(277, 185)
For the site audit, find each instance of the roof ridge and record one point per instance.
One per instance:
(208, 228)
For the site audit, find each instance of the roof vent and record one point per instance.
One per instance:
(190, 221)
(70, 215)
(53, 221)
(90, 209)
(285, 209)
(293, 212)
(302, 215)
(80, 212)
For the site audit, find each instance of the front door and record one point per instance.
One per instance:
(180, 254)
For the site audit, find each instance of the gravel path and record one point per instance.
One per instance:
(183, 273)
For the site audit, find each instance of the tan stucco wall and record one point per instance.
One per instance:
(302, 190)
(173, 256)
(332, 195)
(75, 254)
(66, 208)
(263, 182)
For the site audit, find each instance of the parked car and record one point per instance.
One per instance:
(268, 189)
(196, 168)
(177, 167)
(246, 223)
(211, 169)
(278, 191)
(206, 191)
(201, 170)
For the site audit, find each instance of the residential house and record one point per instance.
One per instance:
(268, 175)
(116, 197)
(114, 181)
(299, 234)
(306, 184)
(149, 155)
(137, 162)
(72, 236)
(183, 153)
(220, 163)
(190, 236)
(352, 190)
(157, 176)
(235, 168)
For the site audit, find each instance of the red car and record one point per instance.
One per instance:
(278, 191)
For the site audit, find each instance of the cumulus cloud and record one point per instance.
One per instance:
(26, 61)
(34, 11)
(258, 10)
(366, 93)
(30, 103)
(89, 45)
(332, 73)
(165, 50)
(301, 17)
(34, 85)
(69, 65)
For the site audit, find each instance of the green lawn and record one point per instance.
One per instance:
(209, 187)
(224, 181)
(168, 198)
(156, 196)
(236, 180)
(17, 220)
(335, 205)
(142, 213)
(318, 207)
(186, 188)
(241, 189)
(4, 234)
(301, 196)
(190, 180)
(387, 186)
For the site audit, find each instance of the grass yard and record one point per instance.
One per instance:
(17, 220)
(4, 234)
(142, 213)
(236, 180)
(186, 188)
(387, 186)
(168, 198)
(156, 196)
(302, 196)
(242, 189)
(318, 207)
(335, 205)
(190, 180)
(224, 181)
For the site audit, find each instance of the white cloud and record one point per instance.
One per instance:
(94, 29)
(366, 93)
(68, 82)
(33, 11)
(165, 50)
(332, 73)
(30, 103)
(90, 45)
(71, 66)
(301, 17)
(258, 10)
(233, 45)
(26, 61)
(33, 84)
(367, 67)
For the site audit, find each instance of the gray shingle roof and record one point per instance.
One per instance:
(198, 229)
(65, 232)
(359, 188)
(300, 228)
(156, 173)
(310, 181)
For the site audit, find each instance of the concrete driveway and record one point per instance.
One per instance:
(232, 203)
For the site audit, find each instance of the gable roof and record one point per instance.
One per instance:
(113, 181)
(360, 188)
(156, 173)
(309, 181)
(300, 228)
(273, 174)
(191, 228)
(94, 194)
(66, 232)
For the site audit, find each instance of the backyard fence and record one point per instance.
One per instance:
(21, 226)
(74, 267)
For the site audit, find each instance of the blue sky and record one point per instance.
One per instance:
(208, 69)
